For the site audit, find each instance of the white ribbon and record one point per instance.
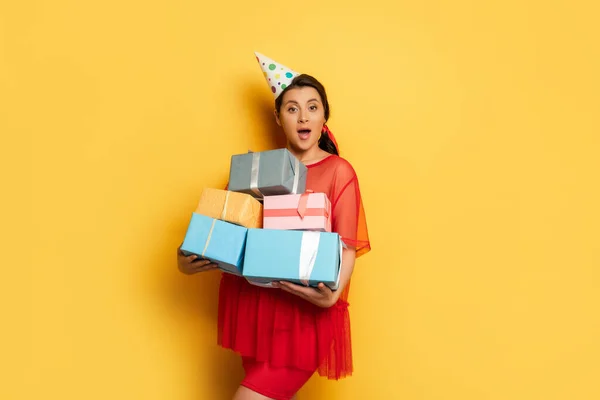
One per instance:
(212, 227)
(254, 174)
(224, 212)
(296, 175)
(308, 255)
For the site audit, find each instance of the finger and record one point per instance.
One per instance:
(323, 288)
(210, 267)
(206, 267)
(200, 263)
(180, 253)
(300, 290)
(289, 285)
(291, 288)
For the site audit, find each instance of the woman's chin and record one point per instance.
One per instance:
(301, 145)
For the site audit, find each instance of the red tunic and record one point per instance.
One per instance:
(280, 328)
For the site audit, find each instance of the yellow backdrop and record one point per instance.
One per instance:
(474, 130)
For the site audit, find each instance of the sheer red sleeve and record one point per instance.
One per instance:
(349, 219)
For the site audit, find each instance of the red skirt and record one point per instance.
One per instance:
(273, 326)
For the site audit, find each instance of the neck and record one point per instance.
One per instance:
(311, 155)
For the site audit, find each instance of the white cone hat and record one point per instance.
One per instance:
(277, 75)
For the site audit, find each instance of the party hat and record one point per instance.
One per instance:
(278, 76)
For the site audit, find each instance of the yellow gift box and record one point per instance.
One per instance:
(236, 208)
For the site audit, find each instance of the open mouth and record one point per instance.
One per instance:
(304, 133)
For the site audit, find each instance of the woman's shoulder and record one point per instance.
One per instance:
(342, 166)
(333, 168)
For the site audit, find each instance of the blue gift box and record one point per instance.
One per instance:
(300, 257)
(218, 241)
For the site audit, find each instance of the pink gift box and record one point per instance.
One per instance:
(307, 212)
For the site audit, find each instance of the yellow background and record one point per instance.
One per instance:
(473, 126)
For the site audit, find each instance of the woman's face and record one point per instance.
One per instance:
(301, 116)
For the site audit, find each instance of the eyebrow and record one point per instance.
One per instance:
(294, 101)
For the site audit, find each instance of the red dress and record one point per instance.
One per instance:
(282, 329)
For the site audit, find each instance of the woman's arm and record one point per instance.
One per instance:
(348, 259)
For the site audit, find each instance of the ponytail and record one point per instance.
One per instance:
(325, 143)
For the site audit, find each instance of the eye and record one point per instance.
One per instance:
(313, 107)
(291, 109)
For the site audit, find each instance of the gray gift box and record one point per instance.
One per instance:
(267, 173)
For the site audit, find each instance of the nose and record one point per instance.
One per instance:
(302, 117)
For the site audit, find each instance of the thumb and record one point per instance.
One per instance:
(323, 288)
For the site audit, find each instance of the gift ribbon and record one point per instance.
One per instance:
(293, 212)
(254, 175)
(330, 134)
(212, 227)
(302, 203)
(224, 212)
(308, 255)
(296, 175)
(302, 210)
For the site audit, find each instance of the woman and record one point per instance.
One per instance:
(285, 334)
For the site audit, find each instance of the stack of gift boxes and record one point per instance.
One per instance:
(266, 226)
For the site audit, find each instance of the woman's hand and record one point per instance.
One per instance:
(321, 296)
(191, 264)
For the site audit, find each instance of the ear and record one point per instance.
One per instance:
(277, 117)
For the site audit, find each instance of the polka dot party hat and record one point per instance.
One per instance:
(278, 76)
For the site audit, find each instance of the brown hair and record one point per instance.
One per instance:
(325, 142)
